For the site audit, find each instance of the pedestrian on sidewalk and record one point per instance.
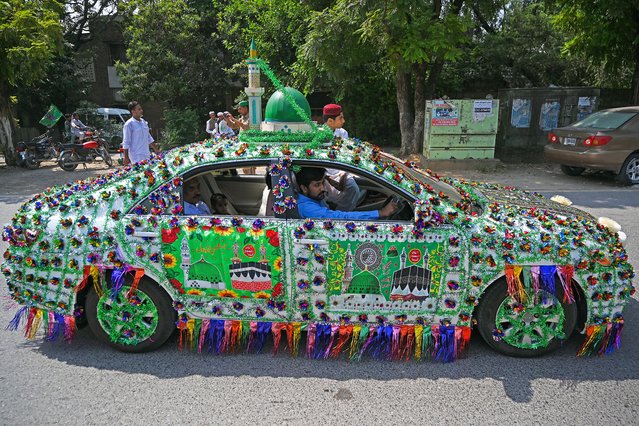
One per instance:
(136, 136)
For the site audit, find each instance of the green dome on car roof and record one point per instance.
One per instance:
(278, 109)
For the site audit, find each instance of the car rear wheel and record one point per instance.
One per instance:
(139, 323)
(572, 171)
(528, 329)
(629, 174)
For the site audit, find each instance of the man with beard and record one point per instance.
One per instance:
(310, 202)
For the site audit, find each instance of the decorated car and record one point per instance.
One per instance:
(523, 271)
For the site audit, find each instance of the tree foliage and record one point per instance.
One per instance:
(30, 36)
(407, 39)
(175, 54)
(517, 48)
(606, 31)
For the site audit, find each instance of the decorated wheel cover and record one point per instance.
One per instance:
(128, 320)
(529, 325)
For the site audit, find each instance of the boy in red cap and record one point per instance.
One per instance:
(334, 118)
(342, 190)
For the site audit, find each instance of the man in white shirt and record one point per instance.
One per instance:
(211, 124)
(193, 204)
(136, 136)
(342, 189)
(225, 125)
(77, 127)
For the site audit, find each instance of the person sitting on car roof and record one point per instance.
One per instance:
(311, 203)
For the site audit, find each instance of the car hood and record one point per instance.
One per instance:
(520, 199)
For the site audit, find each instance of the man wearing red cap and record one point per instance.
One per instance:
(342, 190)
(334, 118)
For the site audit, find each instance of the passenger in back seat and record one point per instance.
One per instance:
(220, 204)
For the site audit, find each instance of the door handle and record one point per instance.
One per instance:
(310, 241)
(145, 234)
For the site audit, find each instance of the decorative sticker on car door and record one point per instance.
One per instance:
(231, 271)
(365, 272)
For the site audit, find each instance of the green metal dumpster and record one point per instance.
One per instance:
(460, 128)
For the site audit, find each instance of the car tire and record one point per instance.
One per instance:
(66, 158)
(572, 171)
(140, 324)
(508, 337)
(629, 173)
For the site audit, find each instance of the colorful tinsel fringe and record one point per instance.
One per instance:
(52, 323)
(602, 339)
(443, 343)
(389, 342)
(519, 278)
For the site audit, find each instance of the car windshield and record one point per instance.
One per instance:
(605, 120)
(421, 175)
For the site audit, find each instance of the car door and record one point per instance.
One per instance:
(227, 267)
(375, 270)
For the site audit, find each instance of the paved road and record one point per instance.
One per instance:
(87, 382)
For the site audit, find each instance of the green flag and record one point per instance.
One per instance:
(51, 117)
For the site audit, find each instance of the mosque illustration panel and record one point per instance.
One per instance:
(224, 262)
(385, 276)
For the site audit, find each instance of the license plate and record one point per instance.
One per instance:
(570, 141)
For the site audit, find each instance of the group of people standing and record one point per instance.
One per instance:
(224, 124)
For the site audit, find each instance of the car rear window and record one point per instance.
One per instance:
(605, 120)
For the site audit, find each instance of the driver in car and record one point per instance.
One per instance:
(311, 200)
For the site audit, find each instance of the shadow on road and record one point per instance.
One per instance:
(516, 374)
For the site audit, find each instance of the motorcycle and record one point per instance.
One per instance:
(92, 147)
(39, 149)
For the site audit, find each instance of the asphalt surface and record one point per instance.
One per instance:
(89, 383)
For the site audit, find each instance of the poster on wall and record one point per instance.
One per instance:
(549, 115)
(585, 107)
(444, 113)
(520, 115)
(482, 108)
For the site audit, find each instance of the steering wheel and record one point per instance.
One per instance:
(402, 206)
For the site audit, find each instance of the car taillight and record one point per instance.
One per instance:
(597, 140)
(553, 138)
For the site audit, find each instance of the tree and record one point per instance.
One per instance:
(80, 15)
(175, 54)
(517, 47)
(413, 39)
(606, 31)
(30, 36)
(279, 28)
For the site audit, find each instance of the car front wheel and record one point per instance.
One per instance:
(528, 329)
(572, 171)
(139, 322)
(629, 174)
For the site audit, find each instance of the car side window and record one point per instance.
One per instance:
(346, 191)
(223, 192)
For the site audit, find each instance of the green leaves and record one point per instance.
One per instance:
(30, 36)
